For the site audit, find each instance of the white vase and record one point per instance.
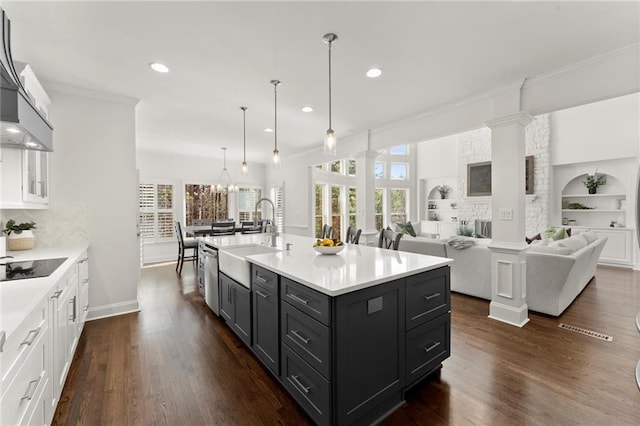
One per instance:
(21, 241)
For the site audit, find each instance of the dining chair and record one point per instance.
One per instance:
(389, 239)
(250, 228)
(223, 228)
(353, 235)
(185, 244)
(327, 231)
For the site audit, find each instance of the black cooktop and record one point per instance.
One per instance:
(29, 269)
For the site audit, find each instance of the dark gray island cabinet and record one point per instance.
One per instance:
(349, 359)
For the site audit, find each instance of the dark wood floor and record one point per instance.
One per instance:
(175, 363)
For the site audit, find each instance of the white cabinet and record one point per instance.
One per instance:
(24, 182)
(618, 251)
(607, 206)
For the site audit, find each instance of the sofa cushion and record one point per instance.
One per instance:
(532, 239)
(406, 228)
(556, 233)
(575, 243)
(589, 236)
(550, 249)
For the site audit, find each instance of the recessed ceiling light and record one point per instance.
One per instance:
(13, 130)
(268, 130)
(374, 72)
(307, 109)
(158, 67)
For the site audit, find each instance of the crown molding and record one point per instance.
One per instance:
(521, 118)
(89, 93)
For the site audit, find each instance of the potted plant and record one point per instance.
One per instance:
(594, 181)
(19, 236)
(443, 190)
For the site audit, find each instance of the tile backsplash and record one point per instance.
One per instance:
(59, 225)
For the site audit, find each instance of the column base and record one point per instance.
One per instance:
(508, 314)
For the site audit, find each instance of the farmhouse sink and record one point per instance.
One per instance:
(233, 261)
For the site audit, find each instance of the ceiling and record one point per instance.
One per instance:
(222, 55)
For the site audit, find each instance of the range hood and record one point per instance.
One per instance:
(22, 124)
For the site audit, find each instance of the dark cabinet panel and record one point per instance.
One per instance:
(264, 278)
(427, 346)
(370, 345)
(227, 309)
(311, 302)
(307, 337)
(241, 297)
(307, 386)
(266, 329)
(428, 296)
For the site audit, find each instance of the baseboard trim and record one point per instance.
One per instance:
(112, 310)
(508, 314)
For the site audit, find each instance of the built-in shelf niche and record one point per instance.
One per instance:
(607, 206)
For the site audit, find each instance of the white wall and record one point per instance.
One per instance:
(189, 169)
(94, 164)
(599, 131)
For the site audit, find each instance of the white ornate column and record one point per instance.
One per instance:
(365, 196)
(508, 246)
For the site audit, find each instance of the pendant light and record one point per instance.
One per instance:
(276, 153)
(330, 137)
(225, 184)
(245, 167)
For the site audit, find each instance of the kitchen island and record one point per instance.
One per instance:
(345, 334)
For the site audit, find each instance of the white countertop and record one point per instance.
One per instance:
(354, 268)
(18, 298)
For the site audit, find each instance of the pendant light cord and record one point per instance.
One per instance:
(275, 114)
(244, 135)
(330, 43)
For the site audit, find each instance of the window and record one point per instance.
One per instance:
(247, 199)
(379, 170)
(399, 150)
(398, 205)
(319, 216)
(276, 193)
(336, 210)
(203, 202)
(156, 211)
(379, 208)
(336, 166)
(351, 167)
(352, 206)
(399, 171)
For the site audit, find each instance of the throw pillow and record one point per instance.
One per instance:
(575, 243)
(556, 234)
(461, 242)
(535, 237)
(406, 228)
(590, 236)
(539, 248)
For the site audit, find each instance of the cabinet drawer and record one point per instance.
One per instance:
(307, 337)
(310, 389)
(427, 296)
(427, 346)
(18, 346)
(27, 384)
(264, 278)
(308, 301)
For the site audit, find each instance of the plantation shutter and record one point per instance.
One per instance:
(277, 196)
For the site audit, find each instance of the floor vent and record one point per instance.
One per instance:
(589, 333)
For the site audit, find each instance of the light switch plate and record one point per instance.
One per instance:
(506, 214)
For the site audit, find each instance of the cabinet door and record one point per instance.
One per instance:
(60, 361)
(71, 324)
(226, 304)
(35, 176)
(241, 297)
(618, 246)
(266, 341)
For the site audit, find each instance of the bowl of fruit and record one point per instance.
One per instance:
(328, 246)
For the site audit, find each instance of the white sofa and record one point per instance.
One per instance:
(553, 280)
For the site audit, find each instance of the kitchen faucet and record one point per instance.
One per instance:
(274, 227)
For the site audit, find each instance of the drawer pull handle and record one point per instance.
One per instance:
(3, 338)
(259, 278)
(56, 294)
(29, 394)
(431, 296)
(261, 294)
(432, 347)
(33, 334)
(299, 336)
(298, 299)
(302, 387)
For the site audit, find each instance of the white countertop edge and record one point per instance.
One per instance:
(444, 262)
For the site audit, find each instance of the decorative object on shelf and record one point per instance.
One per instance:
(330, 143)
(444, 191)
(594, 181)
(565, 221)
(19, 237)
(572, 222)
(578, 206)
(454, 205)
(434, 216)
(276, 153)
(479, 178)
(464, 231)
(225, 183)
(245, 167)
